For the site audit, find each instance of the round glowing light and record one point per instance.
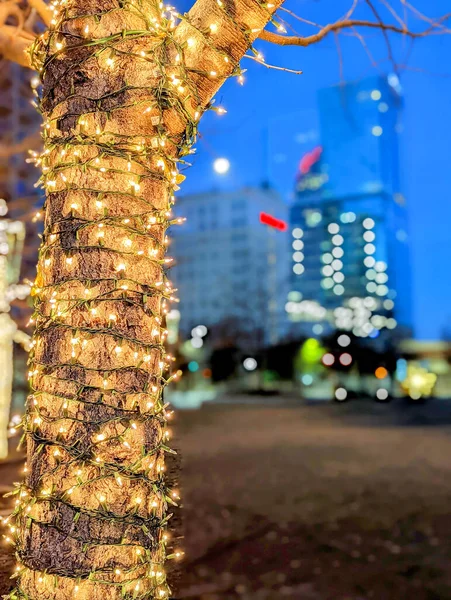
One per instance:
(298, 245)
(339, 290)
(381, 277)
(298, 257)
(367, 327)
(368, 223)
(401, 235)
(328, 359)
(337, 252)
(391, 323)
(369, 248)
(348, 217)
(381, 372)
(343, 340)
(317, 329)
(327, 258)
(297, 233)
(370, 302)
(382, 394)
(371, 274)
(369, 236)
(337, 264)
(221, 166)
(376, 95)
(290, 307)
(371, 287)
(295, 296)
(199, 331)
(197, 342)
(378, 321)
(338, 277)
(369, 261)
(382, 290)
(377, 131)
(193, 366)
(389, 304)
(333, 228)
(341, 394)
(327, 283)
(337, 240)
(298, 269)
(249, 363)
(307, 379)
(327, 270)
(380, 266)
(383, 107)
(346, 359)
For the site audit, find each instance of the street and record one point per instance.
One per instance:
(325, 502)
(319, 502)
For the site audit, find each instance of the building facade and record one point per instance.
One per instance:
(350, 260)
(19, 123)
(231, 269)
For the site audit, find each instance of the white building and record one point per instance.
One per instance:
(231, 269)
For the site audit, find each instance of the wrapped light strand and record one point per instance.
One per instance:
(121, 92)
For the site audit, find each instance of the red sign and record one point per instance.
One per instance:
(273, 222)
(309, 159)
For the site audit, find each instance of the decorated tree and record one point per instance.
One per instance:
(122, 86)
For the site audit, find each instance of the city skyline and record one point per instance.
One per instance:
(346, 248)
(425, 140)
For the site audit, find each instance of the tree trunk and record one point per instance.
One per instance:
(123, 90)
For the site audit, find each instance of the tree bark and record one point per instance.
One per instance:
(122, 93)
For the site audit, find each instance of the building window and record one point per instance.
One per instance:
(239, 222)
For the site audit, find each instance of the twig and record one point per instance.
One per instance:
(298, 18)
(340, 56)
(384, 33)
(402, 23)
(433, 23)
(268, 66)
(14, 45)
(361, 39)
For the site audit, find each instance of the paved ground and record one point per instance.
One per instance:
(325, 502)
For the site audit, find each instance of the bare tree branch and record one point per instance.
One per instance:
(14, 38)
(42, 9)
(283, 40)
(433, 23)
(14, 45)
(9, 9)
(384, 32)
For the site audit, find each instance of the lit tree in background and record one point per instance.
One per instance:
(12, 235)
(123, 85)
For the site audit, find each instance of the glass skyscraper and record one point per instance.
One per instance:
(350, 259)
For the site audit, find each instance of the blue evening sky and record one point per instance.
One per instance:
(272, 120)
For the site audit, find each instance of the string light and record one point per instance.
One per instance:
(88, 364)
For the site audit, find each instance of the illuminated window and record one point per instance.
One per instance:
(377, 131)
(313, 217)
